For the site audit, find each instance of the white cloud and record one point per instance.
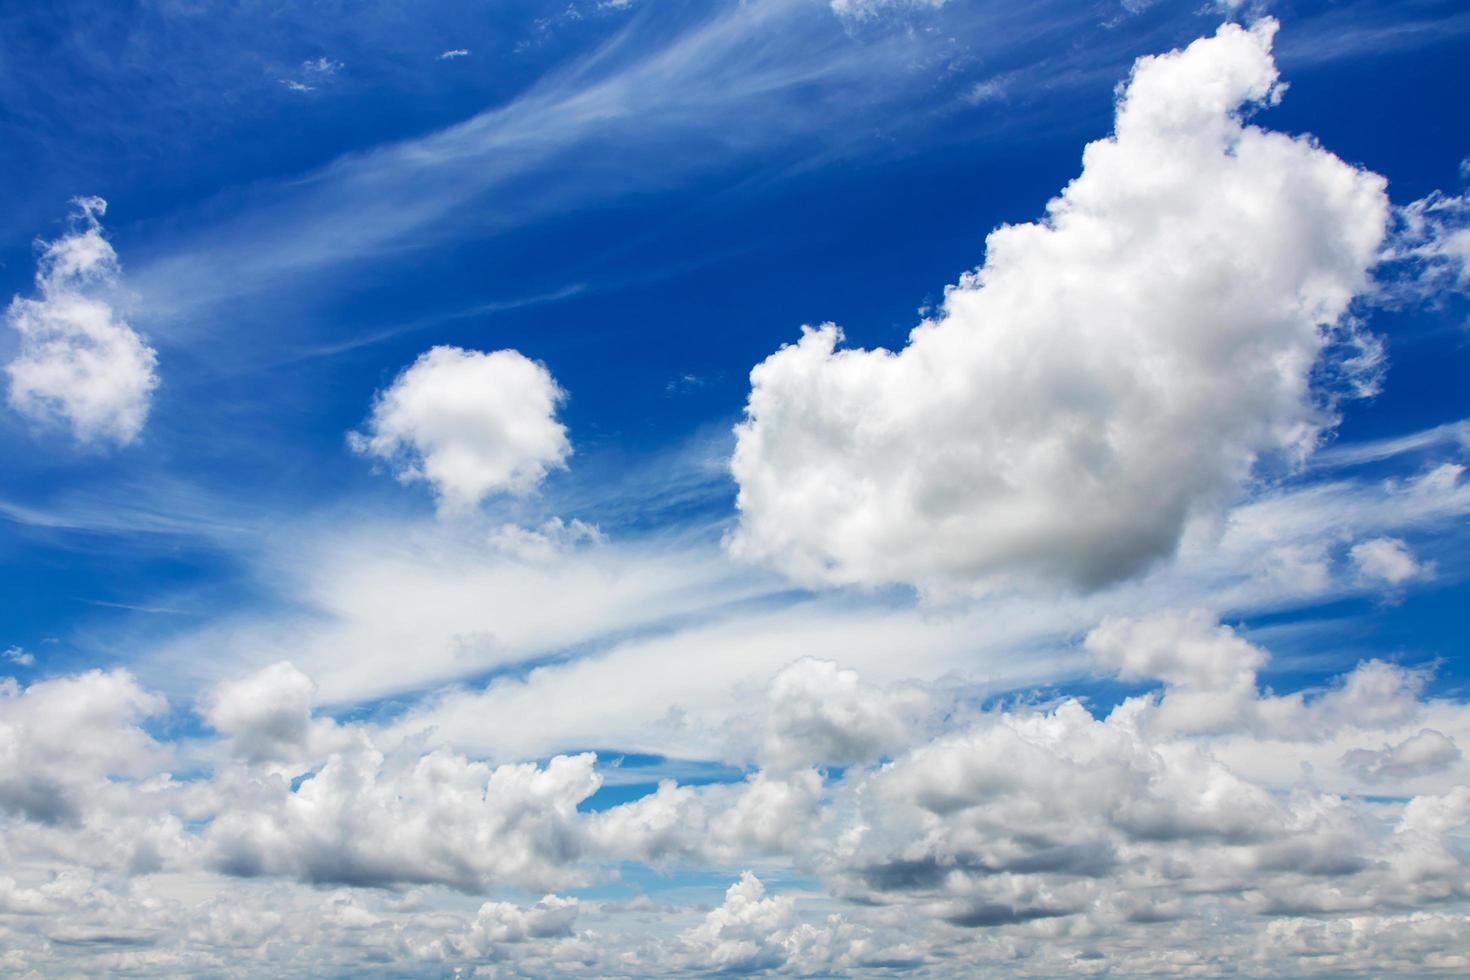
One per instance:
(1430, 247)
(266, 716)
(313, 71)
(470, 424)
(365, 818)
(1042, 834)
(321, 66)
(453, 53)
(1387, 560)
(502, 922)
(867, 9)
(79, 363)
(553, 539)
(20, 657)
(1209, 674)
(742, 935)
(62, 739)
(1106, 374)
(1426, 752)
(819, 713)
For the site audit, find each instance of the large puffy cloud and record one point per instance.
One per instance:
(1107, 373)
(79, 363)
(367, 818)
(468, 423)
(1108, 825)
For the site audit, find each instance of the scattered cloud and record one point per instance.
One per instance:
(453, 53)
(469, 424)
(1426, 258)
(312, 73)
(1388, 561)
(1427, 752)
(322, 66)
(990, 90)
(20, 656)
(79, 364)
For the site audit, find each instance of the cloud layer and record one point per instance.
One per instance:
(962, 837)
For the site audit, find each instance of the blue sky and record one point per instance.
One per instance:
(459, 401)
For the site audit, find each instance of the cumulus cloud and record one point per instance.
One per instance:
(819, 713)
(1427, 752)
(752, 931)
(1388, 561)
(1030, 815)
(80, 364)
(502, 922)
(63, 739)
(1043, 833)
(266, 715)
(962, 834)
(20, 656)
(1108, 371)
(1210, 686)
(470, 424)
(364, 818)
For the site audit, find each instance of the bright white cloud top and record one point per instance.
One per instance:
(470, 424)
(1106, 374)
(80, 365)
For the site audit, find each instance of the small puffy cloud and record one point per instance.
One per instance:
(267, 715)
(79, 363)
(468, 423)
(1209, 671)
(453, 53)
(1387, 561)
(1107, 373)
(501, 922)
(20, 657)
(818, 713)
(1427, 752)
(743, 935)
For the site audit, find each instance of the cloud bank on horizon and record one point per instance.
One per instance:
(1096, 628)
